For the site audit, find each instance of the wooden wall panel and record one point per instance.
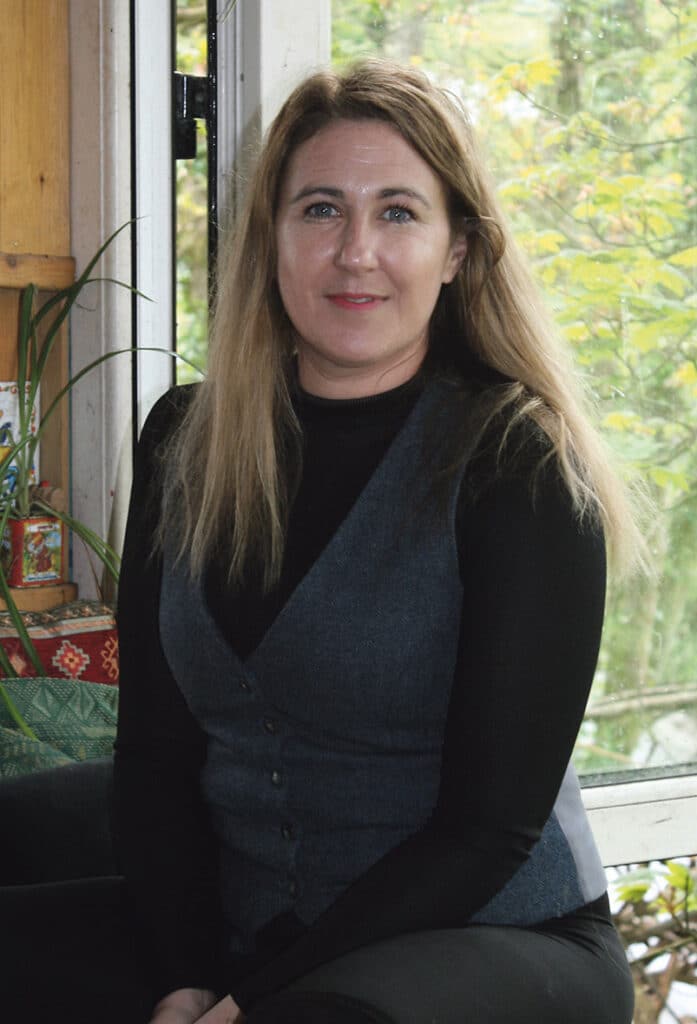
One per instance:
(53, 453)
(35, 188)
(34, 127)
(9, 319)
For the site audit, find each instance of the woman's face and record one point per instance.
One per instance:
(364, 244)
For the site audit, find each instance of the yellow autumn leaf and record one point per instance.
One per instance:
(540, 71)
(576, 332)
(669, 478)
(548, 241)
(686, 376)
(686, 258)
(620, 420)
(671, 280)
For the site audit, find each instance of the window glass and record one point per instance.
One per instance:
(588, 116)
(192, 205)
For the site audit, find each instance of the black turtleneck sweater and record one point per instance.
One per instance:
(534, 583)
(343, 442)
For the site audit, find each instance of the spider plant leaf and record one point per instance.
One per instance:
(65, 299)
(121, 284)
(71, 292)
(6, 665)
(101, 548)
(18, 623)
(14, 612)
(10, 704)
(26, 333)
(33, 441)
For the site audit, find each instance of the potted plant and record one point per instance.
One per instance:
(32, 523)
(20, 497)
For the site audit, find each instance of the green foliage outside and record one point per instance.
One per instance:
(192, 212)
(656, 917)
(588, 115)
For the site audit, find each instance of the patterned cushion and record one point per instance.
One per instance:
(76, 641)
(72, 721)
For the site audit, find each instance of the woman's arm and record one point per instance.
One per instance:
(534, 585)
(164, 844)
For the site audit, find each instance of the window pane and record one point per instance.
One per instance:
(192, 206)
(588, 115)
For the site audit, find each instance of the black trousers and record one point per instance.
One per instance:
(68, 952)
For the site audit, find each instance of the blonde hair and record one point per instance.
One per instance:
(228, 486)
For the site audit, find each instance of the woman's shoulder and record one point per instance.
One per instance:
(493, 434)
(161, 423)
(513, 443)
(166, 415)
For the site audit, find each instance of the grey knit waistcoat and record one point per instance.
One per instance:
(324, 745)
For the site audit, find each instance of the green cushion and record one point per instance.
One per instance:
(73, 721)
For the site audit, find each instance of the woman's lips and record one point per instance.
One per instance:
(346, 300)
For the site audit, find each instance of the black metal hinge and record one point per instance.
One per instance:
(191, 102)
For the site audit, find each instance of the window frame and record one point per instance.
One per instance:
(153, 201)
(121, 107)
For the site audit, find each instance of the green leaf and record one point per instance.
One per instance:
(599, 276)
(633, 886)
(15, 614)
(680, 52)
(671, 279)
(646, 337)
(685, 258)
(101, 548)
(9, 703)
(664, 477)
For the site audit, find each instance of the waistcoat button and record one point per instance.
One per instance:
(276, 778)
(269, 726)
(293, 888)
(287, 831)
(244, 685)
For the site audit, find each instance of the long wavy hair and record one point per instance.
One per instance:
(227, 482)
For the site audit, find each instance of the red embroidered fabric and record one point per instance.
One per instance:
(76, 641)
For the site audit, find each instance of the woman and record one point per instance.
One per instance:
(361, 605)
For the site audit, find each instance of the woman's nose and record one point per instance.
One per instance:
(357, 245)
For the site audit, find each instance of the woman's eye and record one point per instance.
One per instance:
(398, 214)
(321, 211)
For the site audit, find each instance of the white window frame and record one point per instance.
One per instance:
(154, 200)
(651, 819)
(100, 176)
(119, 167)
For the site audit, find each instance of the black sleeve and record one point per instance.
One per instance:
(534, 590)
(163, 841)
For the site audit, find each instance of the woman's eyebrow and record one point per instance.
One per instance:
(388, 193)
(312, 190)
(337, 193)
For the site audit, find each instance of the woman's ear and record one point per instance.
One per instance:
(458, 251)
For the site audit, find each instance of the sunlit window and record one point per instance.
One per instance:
(191, 205)
(588, 116)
